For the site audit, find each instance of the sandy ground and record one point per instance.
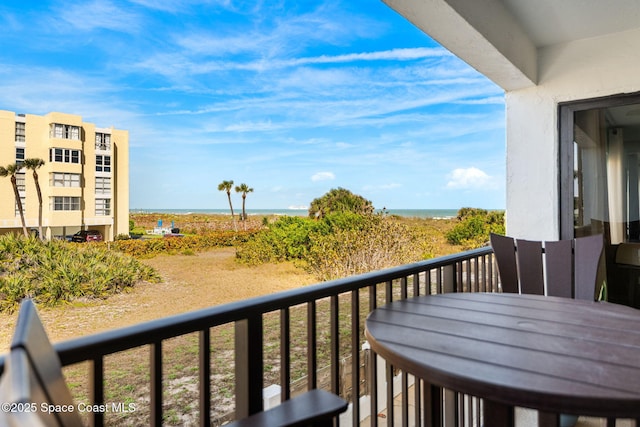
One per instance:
(189, 283)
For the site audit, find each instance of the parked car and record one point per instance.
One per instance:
(87, 236)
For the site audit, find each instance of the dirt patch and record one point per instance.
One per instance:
(190, 282)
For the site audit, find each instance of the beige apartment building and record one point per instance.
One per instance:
(84, 181)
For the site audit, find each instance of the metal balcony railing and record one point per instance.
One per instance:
(319, 341)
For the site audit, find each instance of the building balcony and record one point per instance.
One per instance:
(103, 147)
(250, 355)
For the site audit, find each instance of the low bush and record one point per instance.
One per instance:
(373, 244)
(338, 245)
(145, 248)
(56, 271)
(339, 200)
(137, 231)
(474, 226)
(287, 239)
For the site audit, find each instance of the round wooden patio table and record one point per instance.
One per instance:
(555, 355)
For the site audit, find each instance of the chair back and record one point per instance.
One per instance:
(571, 267)
(33, 378)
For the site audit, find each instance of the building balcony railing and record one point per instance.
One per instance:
(103, 146)
(284, 343)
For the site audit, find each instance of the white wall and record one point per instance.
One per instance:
(578, 70)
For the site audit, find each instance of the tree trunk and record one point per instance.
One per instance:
(35, 178)
(19, 202)
(235, 227)
(244, 214)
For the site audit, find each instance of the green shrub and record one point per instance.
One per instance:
(137, 231)
(465, 213)
(288, 238)
(57, 271)
(371, 243)
(474, 227)
(339, 200)
(337, 245)
(145, 248)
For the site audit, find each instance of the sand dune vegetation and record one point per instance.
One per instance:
(203, 269)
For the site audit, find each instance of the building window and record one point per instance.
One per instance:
(20, 132)
(19, 155)
(23, 200)
(103, 207)
(20, 181)
(64, 155)
(65, 131)
(103, 163)
(103, 141)
(66, 203)
(103, 185)
(65, 179)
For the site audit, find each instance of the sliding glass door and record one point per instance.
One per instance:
(599, 181)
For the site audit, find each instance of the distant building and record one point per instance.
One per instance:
(84, 181)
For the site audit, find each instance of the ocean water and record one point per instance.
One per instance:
(409, 213)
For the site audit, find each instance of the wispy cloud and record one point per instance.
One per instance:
(191, 62)
(181, 6)
(95, 15)
(468, 178)
(323, 176)
(496, 100)
(407, 54)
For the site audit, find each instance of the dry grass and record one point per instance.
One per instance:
(189, 283)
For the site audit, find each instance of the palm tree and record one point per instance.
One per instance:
(244, 189)
(33, 165)
(11, 171)
(227, 186)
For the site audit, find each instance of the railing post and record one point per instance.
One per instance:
(432, 398)
(449, 278)
(372, 372)
(334, 326)
(249, 369)
(155, 365)
(390, 392)
(312, 365)
(205, 377)
(96, 386)
(355, 355)
(285, 354)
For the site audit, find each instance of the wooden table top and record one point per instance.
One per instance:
(547, 353)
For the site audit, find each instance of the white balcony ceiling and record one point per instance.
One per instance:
(549, 22)
(503, 38)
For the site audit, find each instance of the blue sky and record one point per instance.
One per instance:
(292, 98)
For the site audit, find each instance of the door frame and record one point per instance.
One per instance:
(566, 114)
